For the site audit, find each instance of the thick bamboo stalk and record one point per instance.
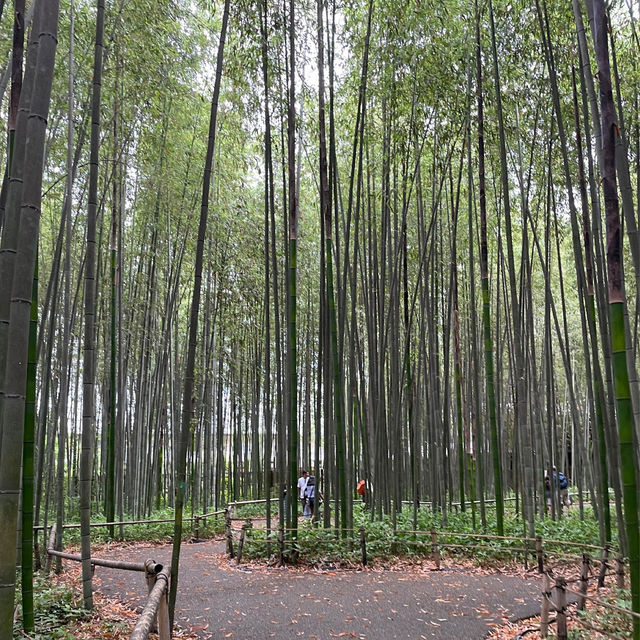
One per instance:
(13, 374)
(27, 466)
(187, 399)
(486, 312)
(624, 409)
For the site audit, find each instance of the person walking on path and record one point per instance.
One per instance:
(310, 493)
(561, 483)
(302, 488)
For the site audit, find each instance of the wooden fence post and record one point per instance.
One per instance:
(619, 572)
(243, 534)
(584, 581)
(561, 607)
(164, 625)
(363, 547)
(544, 609)
(150, 578)
(604, 565)
(229, 533)
(540, 554)
(281, 542)
(434, 548)
(196, 532)
(51, 545)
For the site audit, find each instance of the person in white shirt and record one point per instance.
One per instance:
(302, 487)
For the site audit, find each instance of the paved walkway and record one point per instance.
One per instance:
(220, 600)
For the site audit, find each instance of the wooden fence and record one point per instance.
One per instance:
(539, 551)
(155, 615)
(564, 612)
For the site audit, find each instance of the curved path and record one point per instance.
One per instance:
(219, 600)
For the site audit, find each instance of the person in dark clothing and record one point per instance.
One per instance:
(561, 484)
(310, 493)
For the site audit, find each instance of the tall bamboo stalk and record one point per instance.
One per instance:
(325, 205)
(89, 359)
(624, 410)
(292, 290)
(486, 300)
(15, 374)
(27, 463)
(188, 391)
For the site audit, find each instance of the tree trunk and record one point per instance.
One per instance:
(616, 306)
(14, 375)
(187, 401)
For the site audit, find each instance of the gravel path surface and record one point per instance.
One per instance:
(220, 600)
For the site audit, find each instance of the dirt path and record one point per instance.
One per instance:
(220, 600)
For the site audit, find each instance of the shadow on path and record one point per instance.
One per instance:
(221, 601)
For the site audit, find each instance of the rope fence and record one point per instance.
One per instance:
(565, 612)
(357, 542)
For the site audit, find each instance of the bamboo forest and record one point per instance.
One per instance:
(388, 250)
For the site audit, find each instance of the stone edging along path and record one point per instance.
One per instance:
(219, 600)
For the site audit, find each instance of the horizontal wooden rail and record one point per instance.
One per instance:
(76, 525)
(102, 562)
(581, 545)
(454, 534)
(210, 515)
(150, 566)
(455, 504)
(586, 625)
(602, 603)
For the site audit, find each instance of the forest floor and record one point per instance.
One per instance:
(218, 599)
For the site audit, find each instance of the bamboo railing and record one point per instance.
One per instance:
(76, 525)
(566, 612)
(155, 615)
(540, 550)
(156, 610)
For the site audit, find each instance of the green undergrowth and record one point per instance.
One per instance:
(148, 531)
(256, 510)
(612, 622)
(319, 546)
(54, 606)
